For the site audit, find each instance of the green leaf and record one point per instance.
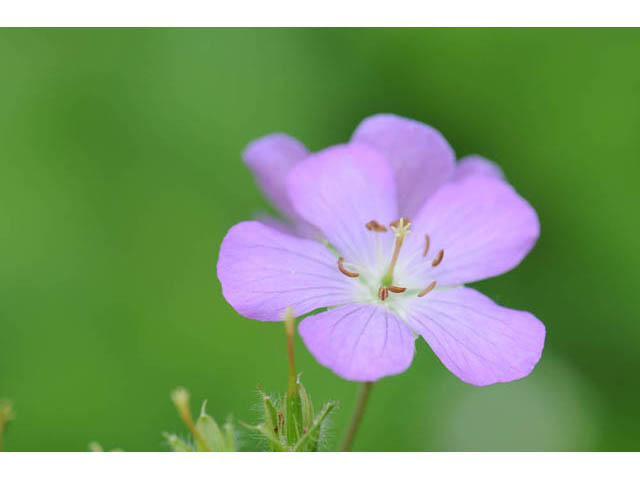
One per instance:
(309, 441)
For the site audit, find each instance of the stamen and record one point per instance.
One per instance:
(438, 259)
(344, 270)
(375, 226)
(430, 287)
(383, 293)
(426, 246)
(394, 289)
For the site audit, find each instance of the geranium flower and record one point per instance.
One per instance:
(421, 158)
(382, 278)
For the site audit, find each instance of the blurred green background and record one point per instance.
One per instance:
(120, 173)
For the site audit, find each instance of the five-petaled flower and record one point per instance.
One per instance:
(399, 227)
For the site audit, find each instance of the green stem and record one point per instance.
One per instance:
(290, 329)
(357, 416)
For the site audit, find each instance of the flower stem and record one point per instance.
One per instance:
(357, 416)
(290, 328)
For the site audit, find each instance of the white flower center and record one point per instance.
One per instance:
(388, 288)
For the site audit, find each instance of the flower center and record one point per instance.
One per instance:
(401, 228)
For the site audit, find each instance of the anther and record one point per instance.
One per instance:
(344, 270)
(394, 289)
(430, 287)
(383, 293)
(438, 259)
(426, 245)
(375, 226)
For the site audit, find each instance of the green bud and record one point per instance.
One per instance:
(292, 402)
(215, 440)
(293, 417)
(176, 443)
(6, 415)
(311, 439)
(272, 419)
(229, 435)
(306, 405)
(267, 433)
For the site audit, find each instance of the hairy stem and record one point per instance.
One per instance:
(357, 416)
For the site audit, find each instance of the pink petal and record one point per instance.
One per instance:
(479, 341)
(421, 158)
(297, 228)
(339, 190)
(264, 271)
(484, 227)
(477, 165)
(270, 158)
(359, 342)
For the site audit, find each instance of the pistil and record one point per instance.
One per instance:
(400, 229)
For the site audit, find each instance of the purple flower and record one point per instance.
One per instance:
(419, 155)
(382, 278)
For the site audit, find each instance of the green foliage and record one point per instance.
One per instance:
(290, 425)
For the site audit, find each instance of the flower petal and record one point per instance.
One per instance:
(359, 342)
(477, 165)
(479, 341)
(419, 155)
(270, 158)
(339, 190)
(484, 227)
(264, 271)
(296, 227)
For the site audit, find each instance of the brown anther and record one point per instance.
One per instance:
(383, 293)
(426, 245)
(375, 226)
(394, 289)
(430, 287)
(438, 259)
(396, 223)
(344, 270)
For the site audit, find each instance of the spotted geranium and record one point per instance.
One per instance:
(387, 270)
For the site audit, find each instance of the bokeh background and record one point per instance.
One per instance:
(120, 173)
